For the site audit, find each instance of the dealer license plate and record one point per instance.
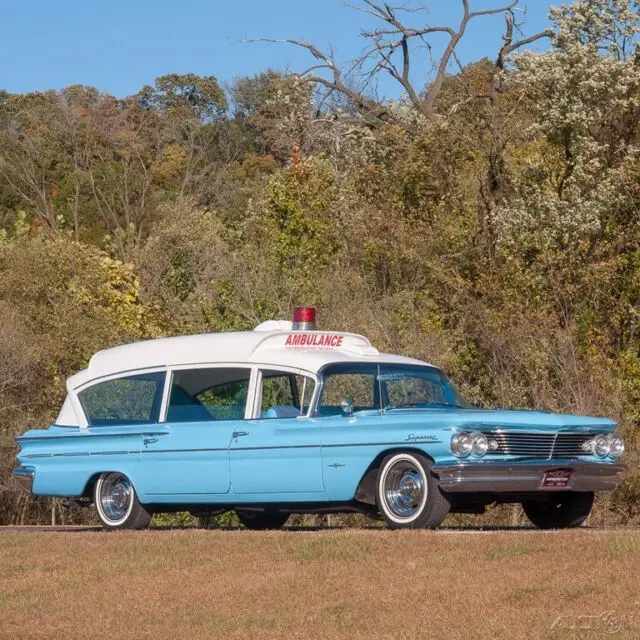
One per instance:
(556, 479)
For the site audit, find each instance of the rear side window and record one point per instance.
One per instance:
(203, 395)
(131, 400)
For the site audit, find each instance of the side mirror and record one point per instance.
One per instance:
(347, 406)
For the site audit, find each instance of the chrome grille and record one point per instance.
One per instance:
(539, 445)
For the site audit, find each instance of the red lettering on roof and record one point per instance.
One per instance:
(314, 340)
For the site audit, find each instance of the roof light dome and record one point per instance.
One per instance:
(304, 319)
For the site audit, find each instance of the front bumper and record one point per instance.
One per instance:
(511, 476)
(25, 477)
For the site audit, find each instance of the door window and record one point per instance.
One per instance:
(198, 395)
(357, 384)
(285, 395)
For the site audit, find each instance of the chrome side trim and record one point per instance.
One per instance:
(83, 435)
(75, 454)
(406, 445)
(25, 477)
(508, 476)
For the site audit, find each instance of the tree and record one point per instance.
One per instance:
(584, 95)
(200, 96)
(276, 108)
(29, 148)
(392, 49)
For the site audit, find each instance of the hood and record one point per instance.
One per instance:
(535, 420)
(483, 419)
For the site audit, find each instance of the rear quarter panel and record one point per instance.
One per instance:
(66, 458)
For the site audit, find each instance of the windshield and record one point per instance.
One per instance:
(388, 387)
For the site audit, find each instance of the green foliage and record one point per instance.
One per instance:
(299, 217)
(200, 95)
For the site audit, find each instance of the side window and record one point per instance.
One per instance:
(131, 400)
(357, 387)
(285, 395)
(199, 395)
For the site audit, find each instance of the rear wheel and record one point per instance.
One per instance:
(561, 511)
(117, 504)
(262, 520)
(408, 496)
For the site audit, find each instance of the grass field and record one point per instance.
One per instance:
(329, 584)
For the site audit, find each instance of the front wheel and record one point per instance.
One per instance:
(262, 520)
(562, 511)
(408, 496)
(117, 504)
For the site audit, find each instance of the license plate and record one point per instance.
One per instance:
(557, 479)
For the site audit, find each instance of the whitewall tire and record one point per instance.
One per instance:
(117, 503)
(407, 495)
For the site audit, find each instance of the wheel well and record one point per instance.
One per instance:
(366, 491)
(91, 483)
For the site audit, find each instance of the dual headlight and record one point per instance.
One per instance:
(465, 443)
(606, 445)
(474, 443)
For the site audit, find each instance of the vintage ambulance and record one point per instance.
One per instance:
(287, 419)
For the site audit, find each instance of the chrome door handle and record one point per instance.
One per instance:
(238, 434)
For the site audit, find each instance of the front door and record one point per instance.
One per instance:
(279, 451)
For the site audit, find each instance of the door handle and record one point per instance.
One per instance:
(238, 434)
(148, 441)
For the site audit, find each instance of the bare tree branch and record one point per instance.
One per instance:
(336, 83)
(391, 51)
(510, 46)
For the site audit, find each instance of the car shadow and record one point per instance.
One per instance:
(290, 529)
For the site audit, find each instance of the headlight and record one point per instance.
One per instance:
(616, 446)
(461, 444)
(480, 445)
(601, 445)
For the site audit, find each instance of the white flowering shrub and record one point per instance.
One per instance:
(608, 27)
(584, 94)
(404, 112)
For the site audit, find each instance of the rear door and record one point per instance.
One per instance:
(279, 450)
(188, 454)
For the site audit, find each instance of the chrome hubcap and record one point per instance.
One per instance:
(115, 496)
(404, 489)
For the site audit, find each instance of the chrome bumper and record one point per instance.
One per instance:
(25, 476)
(509, 476)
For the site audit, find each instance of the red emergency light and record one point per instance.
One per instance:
(304, 319)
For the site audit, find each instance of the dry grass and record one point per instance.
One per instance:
(329, 584)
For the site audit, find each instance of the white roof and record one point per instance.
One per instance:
(272, 343)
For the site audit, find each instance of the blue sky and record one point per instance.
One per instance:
(120, 45)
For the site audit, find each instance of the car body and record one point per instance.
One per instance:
(286, 419)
